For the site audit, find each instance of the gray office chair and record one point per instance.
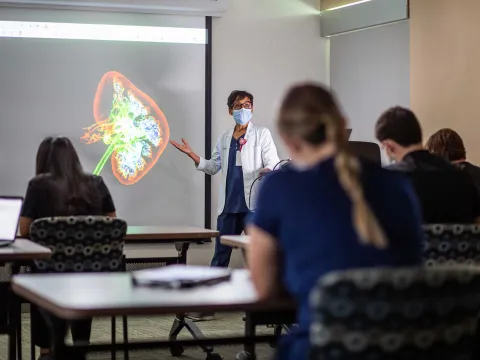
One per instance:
(82, 244)
(367, 150)
(451, 244)
(396, 314)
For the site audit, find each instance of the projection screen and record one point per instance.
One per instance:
(119, 86)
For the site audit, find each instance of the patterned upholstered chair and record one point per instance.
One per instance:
(396, 314)
(82, 244)
(452, 244)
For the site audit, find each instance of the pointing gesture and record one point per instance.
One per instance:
(185, 147)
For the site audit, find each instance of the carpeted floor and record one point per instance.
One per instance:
(158, 328)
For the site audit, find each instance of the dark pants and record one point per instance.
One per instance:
(80, 329)
(227, 224)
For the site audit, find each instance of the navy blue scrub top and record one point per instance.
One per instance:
(310, 216)
(235, 194)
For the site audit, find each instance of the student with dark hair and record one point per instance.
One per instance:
(65, 189)
(62, 188)
(42, 166)
(446, 194)
(328, 211)
(448, 144)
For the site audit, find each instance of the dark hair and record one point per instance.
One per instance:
(238, 95)
(447, 144)
(42, 166)
(75, 190)
(310, 112)
(400, 125)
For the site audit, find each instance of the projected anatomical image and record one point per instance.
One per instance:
(120, 86)
(130, 124)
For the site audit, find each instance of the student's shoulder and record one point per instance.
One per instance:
(278, 179)
(40, 180)
(384, 173)
(469, 168)
(95, 179)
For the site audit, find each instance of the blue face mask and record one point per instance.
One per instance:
(242, 116)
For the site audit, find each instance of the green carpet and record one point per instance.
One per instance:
(142, 328)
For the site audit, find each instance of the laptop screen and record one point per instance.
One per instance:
(10, 208)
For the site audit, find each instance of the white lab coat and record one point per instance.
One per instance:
(259, 152)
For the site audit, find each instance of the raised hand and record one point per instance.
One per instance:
(185, 147)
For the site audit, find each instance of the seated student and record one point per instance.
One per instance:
(327, 211)
(41, 164)
(447, 144)
(446, 194)
(62, 188)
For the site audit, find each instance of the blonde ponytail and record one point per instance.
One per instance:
(364, 220)
(349, 170)
(311, 113)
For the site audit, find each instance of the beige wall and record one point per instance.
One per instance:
(445, 68)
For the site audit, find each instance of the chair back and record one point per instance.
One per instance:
(451, 244)
(80, 244)
(396, 314)
(367, 150)
(445, 196)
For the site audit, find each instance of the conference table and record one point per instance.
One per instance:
(181, 237)
(23, 250)
(20, 252)
(79, 296)
(237, 241)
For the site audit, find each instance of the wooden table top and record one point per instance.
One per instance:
(77, 296)
(23, 250)
(240, 241)
(169, 233)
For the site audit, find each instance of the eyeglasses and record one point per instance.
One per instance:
(247, 105)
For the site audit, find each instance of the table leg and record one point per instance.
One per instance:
(244, 254)
(182, 249)
(277, 332)
(14, 320)
(177, 326)
(32, 344)
(180, 320)
(114, 337)
(18, 335)
(248, 352)
(126, 354)
(197, 334)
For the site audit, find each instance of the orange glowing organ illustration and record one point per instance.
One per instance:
(131, 124)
